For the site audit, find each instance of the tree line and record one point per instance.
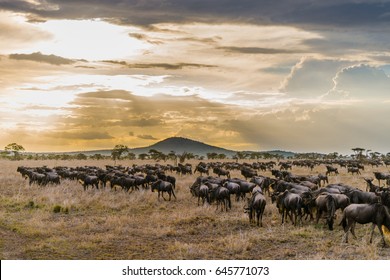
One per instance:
(14, 151)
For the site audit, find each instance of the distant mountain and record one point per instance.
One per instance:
(181, 144)
(178, 145)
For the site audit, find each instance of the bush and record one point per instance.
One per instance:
(57, 209)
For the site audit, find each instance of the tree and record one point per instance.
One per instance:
(118, 150)
(359, 153)
(143, 156)
(15, 149)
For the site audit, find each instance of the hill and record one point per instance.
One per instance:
(181, 144)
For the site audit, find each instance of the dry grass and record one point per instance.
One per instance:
(64, 222)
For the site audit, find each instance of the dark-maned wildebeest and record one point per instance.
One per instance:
(377, 214)
(256, 204)
(326, 203)
(163, 186)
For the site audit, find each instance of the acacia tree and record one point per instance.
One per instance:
(15, 149)
(359, 153)
(118, 150)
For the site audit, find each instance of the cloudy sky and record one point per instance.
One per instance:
(298, 75)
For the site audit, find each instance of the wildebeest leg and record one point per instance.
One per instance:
(346, 230)
(353, 224)
(372, 231)
(318, 215)
(173, 193)
(162, 194)
(383, 237)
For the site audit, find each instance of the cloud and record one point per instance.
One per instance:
(361, 81)
(146, 137)
(300, 12)
(317, 128)
(257, 50)
(312, 78)
(39, 57)
(166, 66)
(82, 135)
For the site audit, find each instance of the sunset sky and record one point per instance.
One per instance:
(297, 75)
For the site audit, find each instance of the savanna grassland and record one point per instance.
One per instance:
(66, 222)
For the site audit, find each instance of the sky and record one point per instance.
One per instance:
(296, 75)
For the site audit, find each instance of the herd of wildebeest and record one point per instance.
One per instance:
(297, 198)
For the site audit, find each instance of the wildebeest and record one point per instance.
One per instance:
(353, 170)
(381, 176)
(289, 204)
(330, 169)
(222, 196)
(88, 180)
(326, 203)
(256, 204)
(163, 186)
(377, 214)
(203, 193)
(221, 172)
(361, 197)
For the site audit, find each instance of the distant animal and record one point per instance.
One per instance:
(163, 186)
(381, 176)
(331, 170)
(353, 170)
(377, 214)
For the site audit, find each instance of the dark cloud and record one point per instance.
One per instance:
(256, 50)
(307, 12)
(146, 137)
(39, 57)
(166, 66)
(145, 38)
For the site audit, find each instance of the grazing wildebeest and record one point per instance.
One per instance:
(330, 169)
(371, 187)
(203, 193)
(163, 186)
(353, 170)
(361, 197)
(222, 196)
(381, 176)
(326, 203)
(256, 204)
(88, 180)
(221, 172)
(377, 214)
(289, 204)
(233, 188)
(201, 169)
